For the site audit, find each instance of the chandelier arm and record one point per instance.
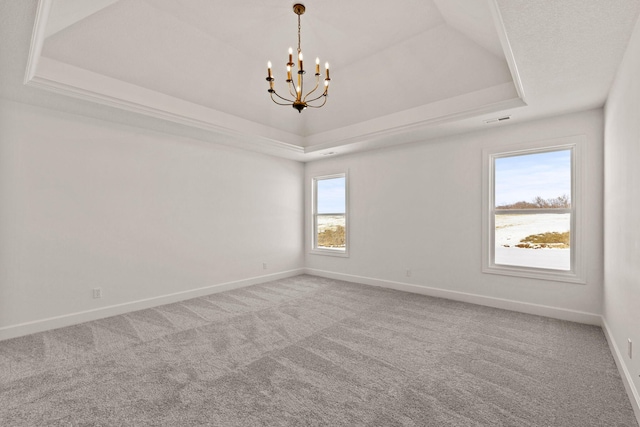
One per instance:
(314, 89)
(317, 106)
(279, 103)
(325, 94)
(292, 89)
(289, 102)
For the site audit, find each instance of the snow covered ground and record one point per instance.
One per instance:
(510, 229)
(330, 221)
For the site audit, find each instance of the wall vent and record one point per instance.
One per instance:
(497, 119)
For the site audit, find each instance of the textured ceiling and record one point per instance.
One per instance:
(401, 71)
(568, 51)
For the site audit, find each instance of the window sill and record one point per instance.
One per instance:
(533, 273)
(330, 252)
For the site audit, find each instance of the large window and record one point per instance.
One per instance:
(330, 214)
(531, 225)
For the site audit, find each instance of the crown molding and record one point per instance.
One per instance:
(37, 39)
(506, 48)
(423, 122)
(79, 83)
(485, 101)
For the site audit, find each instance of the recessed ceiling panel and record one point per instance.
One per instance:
(210, 55)
(456, 67)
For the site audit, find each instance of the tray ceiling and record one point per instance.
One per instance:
(401, 71)
(394, 65)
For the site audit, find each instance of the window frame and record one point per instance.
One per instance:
(314, 216)
(576, 273)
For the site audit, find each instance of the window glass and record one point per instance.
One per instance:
(532, 216)
(532, 224)
(330, 214)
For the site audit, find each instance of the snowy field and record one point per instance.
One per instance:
(510, 229)
(330, 221)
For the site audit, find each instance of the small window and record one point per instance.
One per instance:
(531, 227)
(330, 215)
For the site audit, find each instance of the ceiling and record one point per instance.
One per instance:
(401, 71)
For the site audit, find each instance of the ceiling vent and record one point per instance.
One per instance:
(498, 119)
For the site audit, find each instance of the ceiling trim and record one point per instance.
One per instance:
(47, 73)
(506, 47)
(72, 81)
(37, 39)
(56, 76)
(500, 97)
(69, 80)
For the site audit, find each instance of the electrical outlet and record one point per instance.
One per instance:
(264, 265)
(97, 292)
(630, 348)
(408, 273)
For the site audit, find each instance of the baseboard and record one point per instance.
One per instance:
(27, 328)
(523, 307)
(627, 379)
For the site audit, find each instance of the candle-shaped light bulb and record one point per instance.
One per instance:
(290, 56)
(300, 61)
(288, 73)
(269, 69)
(326, 66)
(318, 66)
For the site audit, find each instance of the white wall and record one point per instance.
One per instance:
(144, 215)
(418, 207)
(622, 214)
(86, 203)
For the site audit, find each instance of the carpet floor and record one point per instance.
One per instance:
(310, 351)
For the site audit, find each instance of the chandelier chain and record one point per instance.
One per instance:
(299, 50)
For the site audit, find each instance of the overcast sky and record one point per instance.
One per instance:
(331, 195)
(522, 178)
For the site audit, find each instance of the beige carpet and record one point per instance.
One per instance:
(308, 351)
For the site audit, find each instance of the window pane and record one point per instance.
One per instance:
(531, 210)
(330, 214)
(533, 240)
(529, 181)
(331, 231)
(331, 195)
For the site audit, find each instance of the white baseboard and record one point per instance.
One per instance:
(523, 307)
(627, 379)
(41, 325)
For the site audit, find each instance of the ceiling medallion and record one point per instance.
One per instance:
(296, 90)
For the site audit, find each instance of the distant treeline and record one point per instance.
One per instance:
(540, 203)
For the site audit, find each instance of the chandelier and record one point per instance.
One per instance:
(296, 89)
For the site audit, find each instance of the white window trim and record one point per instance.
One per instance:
(577, 273)
(314, 203)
